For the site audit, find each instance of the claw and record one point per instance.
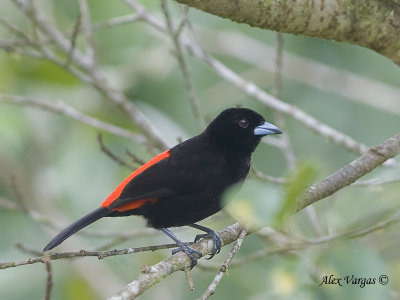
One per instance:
(200, 236)
(183, 247)
(216, 239)
(189, 252)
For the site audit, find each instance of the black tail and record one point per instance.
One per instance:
(78, 225)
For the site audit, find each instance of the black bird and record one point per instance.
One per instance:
(184, 184)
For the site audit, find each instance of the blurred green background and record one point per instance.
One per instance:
(56, 165)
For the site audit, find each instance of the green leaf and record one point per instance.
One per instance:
(297, 182)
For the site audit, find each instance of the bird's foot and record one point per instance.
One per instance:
(216, 239)
(193, 254)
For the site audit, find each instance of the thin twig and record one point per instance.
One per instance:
(18, 193)
(31, 213)
(114, 157)
(135, 158)
(116, 21)
(260, 175)
(84, 253)
(350, 86)
(49, 280)
(278, 65)
(224, 268)
(20, 33)
(73, 40)
(66, 110)
(27, 250)
(278, 87)
(11, 47)
(87, 31)
(189, 278)
(187, 76)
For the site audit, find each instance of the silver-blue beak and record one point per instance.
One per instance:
(266, 129)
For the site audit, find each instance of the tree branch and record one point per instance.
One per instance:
(152, 275)
(224, 268)
(187, 75)
(82, 253)
(373, 24)
(373, 158)
(66, 110)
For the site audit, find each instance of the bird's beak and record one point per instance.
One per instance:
(266, 129)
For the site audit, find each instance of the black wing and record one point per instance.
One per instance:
(192, 166)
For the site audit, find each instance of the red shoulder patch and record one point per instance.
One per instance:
(118, 190)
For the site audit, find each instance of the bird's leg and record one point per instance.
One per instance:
(183, 247)
(209, 234)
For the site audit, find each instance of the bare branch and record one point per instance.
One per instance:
(71, 112)
(13, 47)
(260, 175)
(87, 30)
(224, 268)
(31, 213)
(49, 281)
(74, 37)
(180, 261)
(349, 85)
(374, 157)
(135, 158)
(189, 278)
(280, 121)
(187, 76)
(257, 93)
(112, 155)
(83, 253)
(17, 31)
(116, 21)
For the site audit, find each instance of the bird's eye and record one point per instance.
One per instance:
(243, 123)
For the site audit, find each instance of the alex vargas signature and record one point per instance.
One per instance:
(354, 280)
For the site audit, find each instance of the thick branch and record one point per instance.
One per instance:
(373, 158)
(373, 24)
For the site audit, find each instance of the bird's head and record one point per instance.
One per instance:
(239, 130)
